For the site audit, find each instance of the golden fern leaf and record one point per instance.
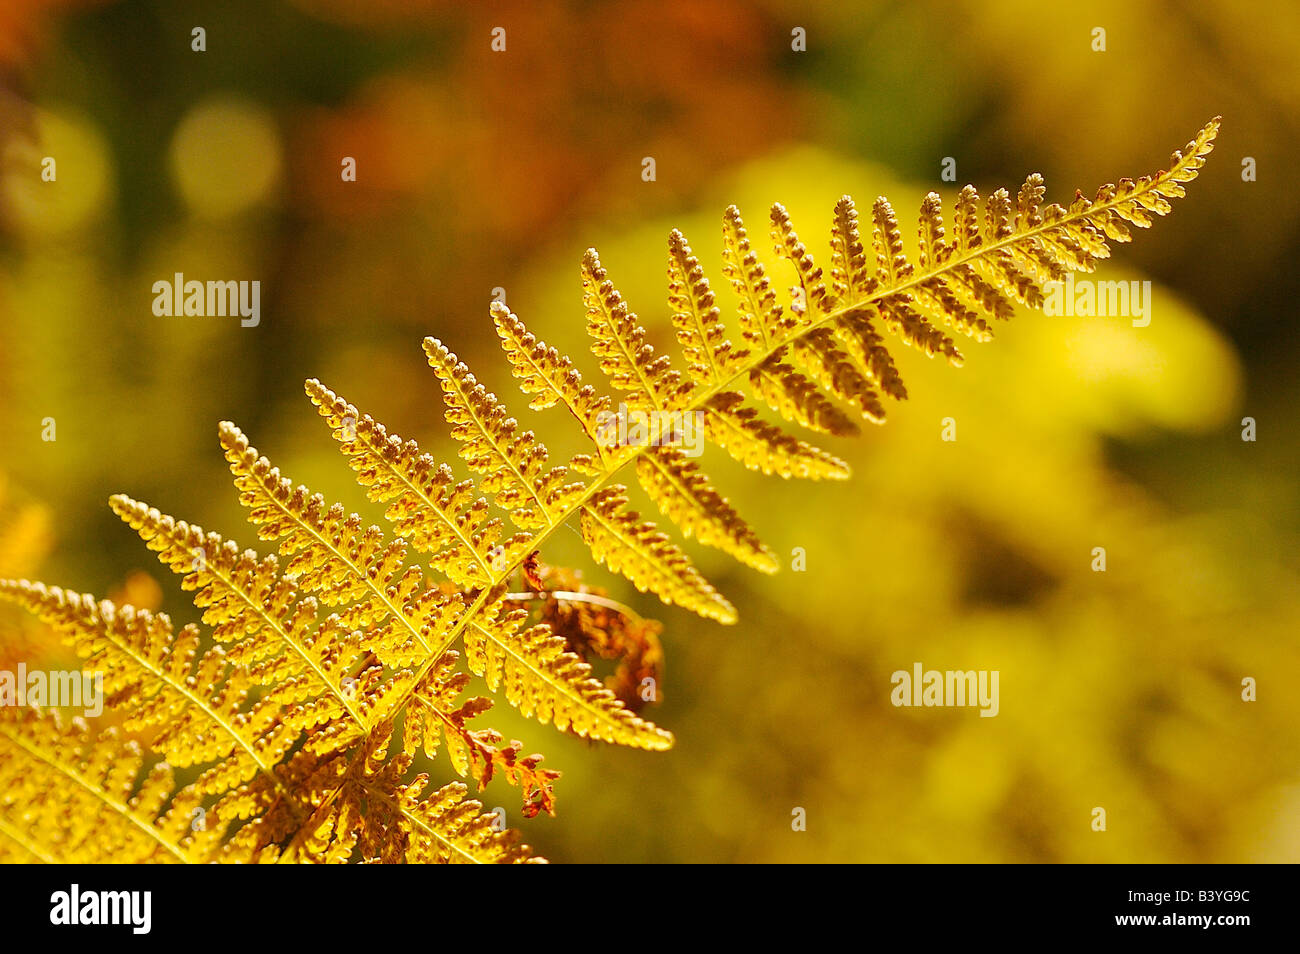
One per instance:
(829, 366)
(763, 322)
(760, 446)
(544, 680)
(687, 498)
(340, 684)
(548, 375)
(709, 355)
(72, 795)
(814, 299)
(831, 334)
(797, 399)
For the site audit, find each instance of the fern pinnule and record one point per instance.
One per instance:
(709, 355)
(785, 243)
(798, 399)
(686, 497)
(737, 429)
(618, 538)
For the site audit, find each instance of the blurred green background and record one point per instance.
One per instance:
(478, 169)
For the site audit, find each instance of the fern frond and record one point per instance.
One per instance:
(829, 334)
(307, 765)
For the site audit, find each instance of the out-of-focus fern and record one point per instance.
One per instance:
(331, 665)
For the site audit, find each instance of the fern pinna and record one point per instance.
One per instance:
(330, 666)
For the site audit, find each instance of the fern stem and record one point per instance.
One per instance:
(568, 596)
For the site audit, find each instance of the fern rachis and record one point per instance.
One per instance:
(294, 715)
